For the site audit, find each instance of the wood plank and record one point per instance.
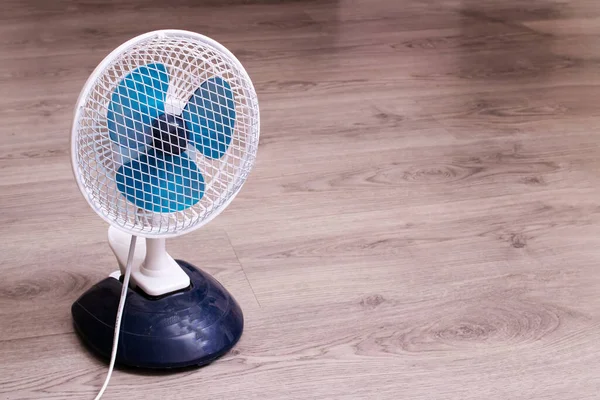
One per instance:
(422, 221)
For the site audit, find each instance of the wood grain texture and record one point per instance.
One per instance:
(423, 221)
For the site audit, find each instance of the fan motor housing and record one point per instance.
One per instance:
(169, 134)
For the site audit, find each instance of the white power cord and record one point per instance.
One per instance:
(113, 356)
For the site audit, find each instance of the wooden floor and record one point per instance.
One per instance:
(423, 221)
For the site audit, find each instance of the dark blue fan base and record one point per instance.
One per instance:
(187, 328)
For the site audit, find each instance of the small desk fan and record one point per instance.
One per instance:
(165, 134)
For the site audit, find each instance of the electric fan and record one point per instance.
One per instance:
(165, 134)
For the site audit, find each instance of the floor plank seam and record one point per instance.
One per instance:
(46, 335)
(242, 267)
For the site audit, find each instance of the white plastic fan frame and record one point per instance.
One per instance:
(85, 92)
(153, 269)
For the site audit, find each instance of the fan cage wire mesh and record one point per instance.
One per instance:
(190, 60)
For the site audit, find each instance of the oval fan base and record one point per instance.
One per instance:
(191, 327)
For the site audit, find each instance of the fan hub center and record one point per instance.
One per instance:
(169, 134)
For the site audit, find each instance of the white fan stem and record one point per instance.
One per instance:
(113, 356)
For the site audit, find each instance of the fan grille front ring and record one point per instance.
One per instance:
(116, 165)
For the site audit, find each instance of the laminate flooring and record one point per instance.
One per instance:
(423, 221)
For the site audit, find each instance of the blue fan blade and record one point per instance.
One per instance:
(161, 182)
(210, 117)
(137, 100)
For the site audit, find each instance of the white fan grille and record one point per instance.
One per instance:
(190, 59)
